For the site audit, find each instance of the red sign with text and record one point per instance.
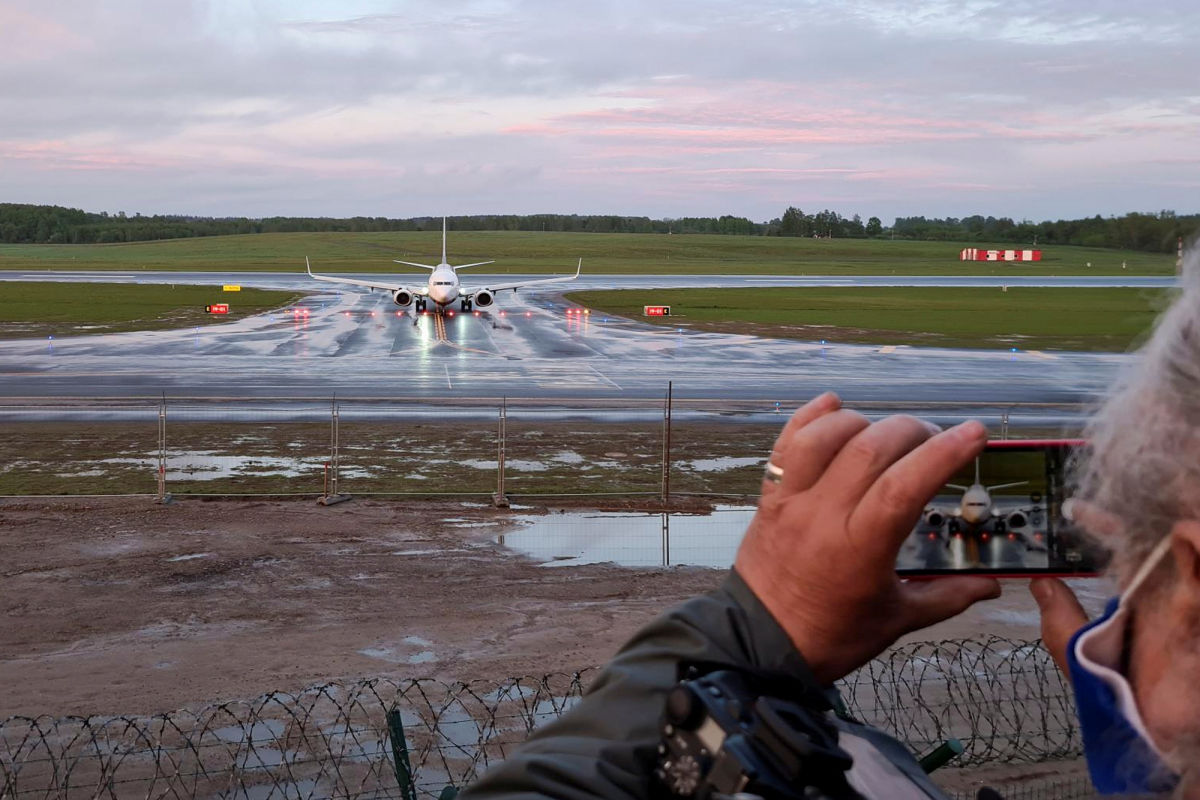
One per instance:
(217, 308)
(656, 311)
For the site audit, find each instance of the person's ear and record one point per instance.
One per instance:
(1185, 550)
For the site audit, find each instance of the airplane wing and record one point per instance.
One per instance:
(390, 287)
(1006, 485)
(515, 286)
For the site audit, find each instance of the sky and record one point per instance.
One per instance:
(1032, 109)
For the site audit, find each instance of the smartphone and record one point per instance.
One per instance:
(1002, 515)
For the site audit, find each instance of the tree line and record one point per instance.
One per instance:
(1155, 232)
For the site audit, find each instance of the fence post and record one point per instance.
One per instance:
(666, 538)
(666, 457)
(1004, 424)
(400, 762)
(162, 497)
(500, 499)
(331, 494)
(333, 461)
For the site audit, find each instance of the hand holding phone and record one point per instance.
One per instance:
(839, 502)
(1002, 515)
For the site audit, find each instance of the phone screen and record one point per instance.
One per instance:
(1002, 515)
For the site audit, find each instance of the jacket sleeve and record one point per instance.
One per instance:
(605, 747)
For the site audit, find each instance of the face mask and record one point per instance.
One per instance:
(1120, 758)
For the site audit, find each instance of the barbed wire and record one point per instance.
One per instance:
(380, 738)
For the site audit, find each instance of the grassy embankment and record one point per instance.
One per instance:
(1026, 318)
(522, 252)
(65, 309)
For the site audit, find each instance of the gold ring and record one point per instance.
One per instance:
(773, 473)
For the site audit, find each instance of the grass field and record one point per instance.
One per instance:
(519, 252)
(64, 309)
(1026, 318)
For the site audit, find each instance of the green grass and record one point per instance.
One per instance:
(516, 251)
(1025, 317)
(64, 309)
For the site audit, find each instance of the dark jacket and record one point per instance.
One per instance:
(606, 746)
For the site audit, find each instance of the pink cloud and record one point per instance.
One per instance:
(763, 114)
(58, 155)
(26, 36)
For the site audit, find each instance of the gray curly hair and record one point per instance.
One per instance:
(1143, 470)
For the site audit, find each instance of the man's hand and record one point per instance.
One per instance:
(1062, 616)
(821, 551)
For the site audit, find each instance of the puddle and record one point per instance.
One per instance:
(722, 464)
(514, 464)
(190, 557)
(635, 539)
(401, 653)
(206, 465)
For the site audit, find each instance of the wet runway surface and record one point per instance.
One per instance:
(299, 280)
(360, 345)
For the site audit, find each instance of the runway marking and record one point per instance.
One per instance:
(799, 280)
(888, 349)
(1040, 354)
(605, 377)
(448, 383)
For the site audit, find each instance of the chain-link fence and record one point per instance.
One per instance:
(498, 447)
(1003, 699)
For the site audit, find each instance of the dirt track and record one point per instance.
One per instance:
(122, 606)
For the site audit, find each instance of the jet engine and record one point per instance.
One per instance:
(935, 519)
(402, 298)
(1017, 520)
(484, 298)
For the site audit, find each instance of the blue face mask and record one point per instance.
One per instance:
(1119, 758)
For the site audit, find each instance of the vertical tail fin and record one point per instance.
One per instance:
(444, 240)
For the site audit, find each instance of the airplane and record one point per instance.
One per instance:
(976, 511)
(442, 288)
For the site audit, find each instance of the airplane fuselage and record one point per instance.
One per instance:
(976, 506)
(443, 285)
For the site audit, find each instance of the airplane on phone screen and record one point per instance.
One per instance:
(442, 289)
(976, 512)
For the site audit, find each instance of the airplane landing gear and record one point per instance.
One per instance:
(466, 305)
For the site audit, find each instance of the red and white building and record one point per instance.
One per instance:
(976, 254)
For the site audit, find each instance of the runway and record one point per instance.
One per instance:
(360, 345)
(299, 280)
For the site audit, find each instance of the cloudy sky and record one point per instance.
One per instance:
(1026, 108)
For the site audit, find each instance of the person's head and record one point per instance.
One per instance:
(1141, 484)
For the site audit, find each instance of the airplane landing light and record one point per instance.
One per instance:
(476, 313)
(504, 313)
(529, 313)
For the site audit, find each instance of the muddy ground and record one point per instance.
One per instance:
(124, 606)
(121, 606)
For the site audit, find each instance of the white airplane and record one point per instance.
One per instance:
(977, 511)
(442, 288)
